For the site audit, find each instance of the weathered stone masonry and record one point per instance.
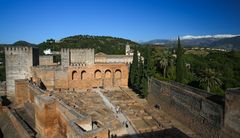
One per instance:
(195, 108)
(18, 62)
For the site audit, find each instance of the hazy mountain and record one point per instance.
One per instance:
(23, 43)
(215, 41)
(158, 42)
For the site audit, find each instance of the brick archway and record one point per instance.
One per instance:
(97, 74)
(108, 73)
(74, 75)
(118, 74)
(83, 75)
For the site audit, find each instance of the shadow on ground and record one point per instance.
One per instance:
(5, 101)
(166, 133)
(1, 133)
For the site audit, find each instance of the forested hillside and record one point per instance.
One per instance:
(106, 44)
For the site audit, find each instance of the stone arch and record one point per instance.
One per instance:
(83, 75)
(108, 74)
(97, 74)
(118, 74)
(74, 75)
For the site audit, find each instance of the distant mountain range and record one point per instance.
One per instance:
(113, 45)
(230, 42)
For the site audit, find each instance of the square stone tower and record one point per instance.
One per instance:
(77, 57)
(18, 62)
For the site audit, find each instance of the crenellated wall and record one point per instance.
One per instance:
(77, 57)
(85, 56)
(103, 58)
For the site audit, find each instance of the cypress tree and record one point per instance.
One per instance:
(179, 63)
(140, 73)
(134, 69)
(149, 63)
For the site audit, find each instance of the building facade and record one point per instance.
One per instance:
(78, 69)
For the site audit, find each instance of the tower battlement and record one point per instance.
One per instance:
(18, 60)
(74, 56)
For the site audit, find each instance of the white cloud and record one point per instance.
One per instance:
(209, 36)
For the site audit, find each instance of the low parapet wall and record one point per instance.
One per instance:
(232, 112)
(194, 109)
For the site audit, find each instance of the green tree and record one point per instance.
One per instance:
(134, 69)
(149, 63)
(180, 67)
(165, 61)
(208, 79)
(144, 83)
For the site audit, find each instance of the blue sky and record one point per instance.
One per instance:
(139, 20)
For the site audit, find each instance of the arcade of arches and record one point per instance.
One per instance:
(106, 75)
(98, 74)
(82, 78)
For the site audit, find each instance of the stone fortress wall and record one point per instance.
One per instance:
(46, 60)
(232, 112)
(81, 56)
(197, 109)
(65, 57)
(18, 63)
(87, 77)
(77, 70)
(77, 57)
(103, 58)
(127, 58)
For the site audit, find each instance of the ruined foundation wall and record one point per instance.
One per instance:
(52, 118)
(46, 75)
(194, 110)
